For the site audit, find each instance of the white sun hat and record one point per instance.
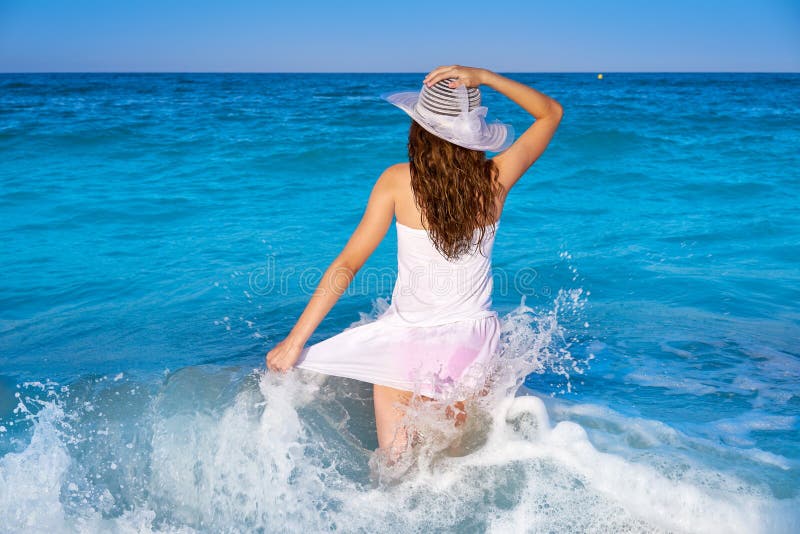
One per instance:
(454, 114)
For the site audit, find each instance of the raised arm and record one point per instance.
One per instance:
(365, 239)
(516, 159)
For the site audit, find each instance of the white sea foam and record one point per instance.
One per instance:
(221, 450)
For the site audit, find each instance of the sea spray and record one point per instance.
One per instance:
(223, 449)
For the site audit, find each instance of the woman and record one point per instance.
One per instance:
(440, 329)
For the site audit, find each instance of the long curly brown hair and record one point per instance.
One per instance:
(454, 187)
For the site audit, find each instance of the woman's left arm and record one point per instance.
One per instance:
(362, 243)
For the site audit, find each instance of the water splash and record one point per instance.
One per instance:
(222, 449)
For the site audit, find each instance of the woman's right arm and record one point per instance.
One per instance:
(526, 149)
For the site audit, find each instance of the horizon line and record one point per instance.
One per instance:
(403, 72)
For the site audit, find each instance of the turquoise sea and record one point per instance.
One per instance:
(161, 232)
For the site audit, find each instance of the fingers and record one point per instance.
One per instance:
(283, 356)
(438, 74)
(444, 75)
(435, 72)
(273, 362)
(277, 363)
(277, 367)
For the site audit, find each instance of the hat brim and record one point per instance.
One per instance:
(499, 135)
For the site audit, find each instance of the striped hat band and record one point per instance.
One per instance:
(444, 100)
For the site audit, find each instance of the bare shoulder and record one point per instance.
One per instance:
(399, 171)
(393, 177)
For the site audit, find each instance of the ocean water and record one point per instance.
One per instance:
(160, 233)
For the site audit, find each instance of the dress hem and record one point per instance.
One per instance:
(403, 386)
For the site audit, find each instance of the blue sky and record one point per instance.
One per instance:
(411, 36)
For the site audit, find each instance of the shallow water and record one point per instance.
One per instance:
(162, 232)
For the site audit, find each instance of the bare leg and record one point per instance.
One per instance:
(392, 435)
(390, 407)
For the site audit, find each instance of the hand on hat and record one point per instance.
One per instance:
(467, 76)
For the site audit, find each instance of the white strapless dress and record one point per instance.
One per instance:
(437, 333)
